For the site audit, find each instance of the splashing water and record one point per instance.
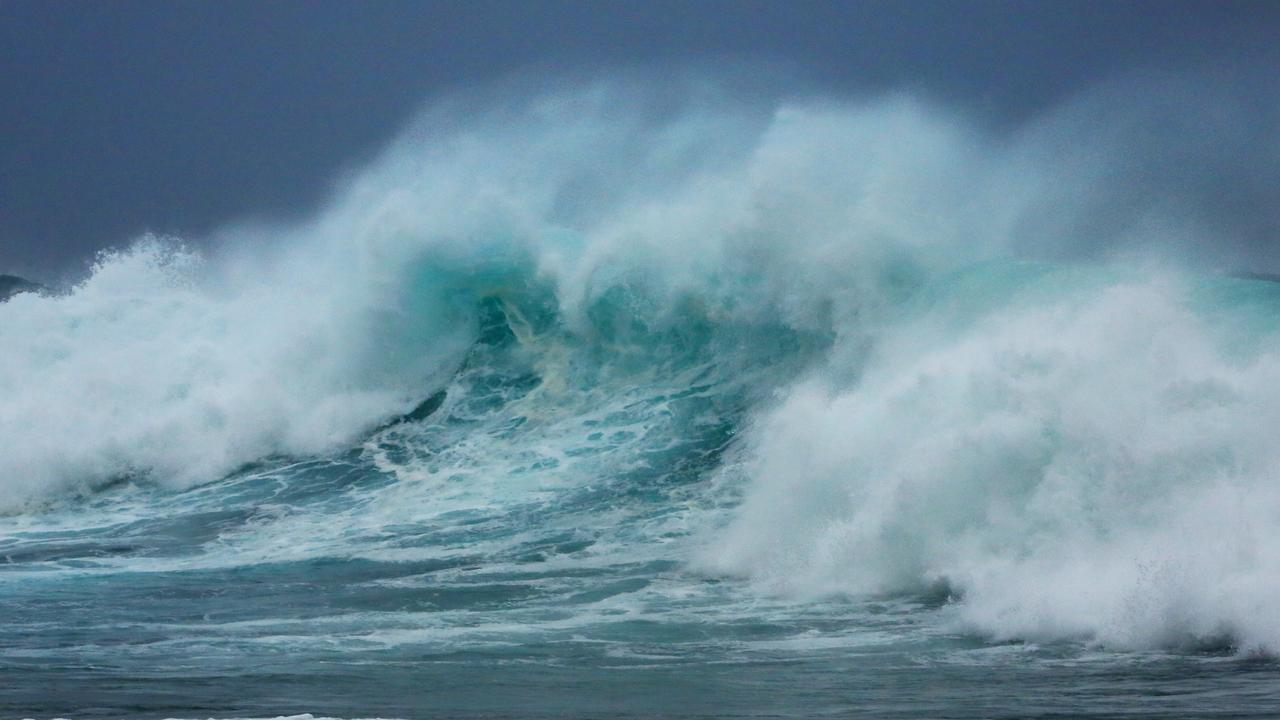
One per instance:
(721, 397)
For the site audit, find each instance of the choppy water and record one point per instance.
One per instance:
(756, 418)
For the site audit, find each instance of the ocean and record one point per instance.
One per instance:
(602, 409)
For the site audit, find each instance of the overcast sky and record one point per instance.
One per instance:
(174, 117)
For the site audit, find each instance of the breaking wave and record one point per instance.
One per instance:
(849, 325)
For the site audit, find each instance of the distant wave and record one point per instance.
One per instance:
(11, 285)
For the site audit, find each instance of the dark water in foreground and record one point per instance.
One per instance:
(88, 636)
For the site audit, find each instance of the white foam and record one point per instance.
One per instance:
(1100, 467)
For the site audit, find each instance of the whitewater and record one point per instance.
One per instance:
(619, 400)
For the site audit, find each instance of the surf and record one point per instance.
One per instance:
(822, 349)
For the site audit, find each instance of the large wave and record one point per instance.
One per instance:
(1073, 450)
(181, 365)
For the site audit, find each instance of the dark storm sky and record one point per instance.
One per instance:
(173, 117)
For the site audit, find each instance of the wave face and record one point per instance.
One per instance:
(722, 382)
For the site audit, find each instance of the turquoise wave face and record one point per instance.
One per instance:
(764, 420)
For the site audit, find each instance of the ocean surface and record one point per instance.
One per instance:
(600, 410)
